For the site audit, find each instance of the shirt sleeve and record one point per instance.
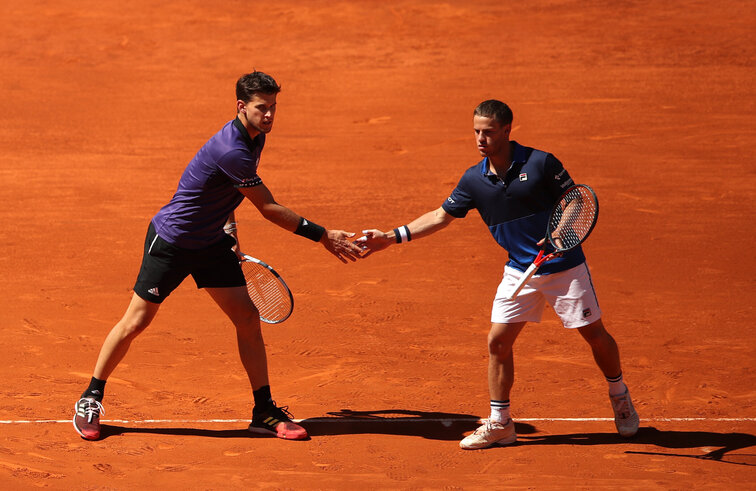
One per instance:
(556, 177)
(460, 201)
(240, 166)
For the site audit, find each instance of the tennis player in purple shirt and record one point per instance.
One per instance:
(195, 234)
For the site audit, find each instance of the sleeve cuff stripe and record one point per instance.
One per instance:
(248, 183)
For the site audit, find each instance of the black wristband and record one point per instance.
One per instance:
(312, 231)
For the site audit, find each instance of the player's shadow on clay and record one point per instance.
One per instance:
(108, 430)
(724, 443)
(430, 425)
(453, 427)
(405, 422)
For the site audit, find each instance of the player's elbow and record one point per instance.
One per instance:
(442, 218)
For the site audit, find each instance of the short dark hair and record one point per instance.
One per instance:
(249, 84)
(496, 110)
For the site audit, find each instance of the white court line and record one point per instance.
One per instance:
(368, 420)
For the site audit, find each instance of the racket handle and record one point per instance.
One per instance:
(524, 279)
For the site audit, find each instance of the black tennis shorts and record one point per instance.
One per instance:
(165, 266)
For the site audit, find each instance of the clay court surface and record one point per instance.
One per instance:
(385, 360)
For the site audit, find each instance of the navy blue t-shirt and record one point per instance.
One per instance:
(207, 191)
(516, 206)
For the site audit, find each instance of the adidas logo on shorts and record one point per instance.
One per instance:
(154, 291)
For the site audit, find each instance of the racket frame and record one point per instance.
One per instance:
(248, 258)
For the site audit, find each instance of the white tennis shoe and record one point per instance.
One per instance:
(625, 418)
(489, 434)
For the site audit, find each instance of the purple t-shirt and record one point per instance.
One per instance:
(207, 191)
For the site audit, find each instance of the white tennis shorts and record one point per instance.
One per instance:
(570, 293)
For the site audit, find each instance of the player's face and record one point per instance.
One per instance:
(259, 111)
(490, 136)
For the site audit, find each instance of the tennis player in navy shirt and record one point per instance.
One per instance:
(195, 234)
(514, 189)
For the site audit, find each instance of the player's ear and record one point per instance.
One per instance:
(507, 129)
(240, 105)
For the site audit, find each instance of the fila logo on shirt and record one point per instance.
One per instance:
(524, 176)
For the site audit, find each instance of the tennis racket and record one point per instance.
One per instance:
(267, 290)
(571, 222)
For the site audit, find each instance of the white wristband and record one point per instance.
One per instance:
(402, 234)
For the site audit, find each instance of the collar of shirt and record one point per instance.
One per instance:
(519, 156)
(245, 134)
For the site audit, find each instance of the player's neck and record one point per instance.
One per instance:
(500, 162)
(250, 129)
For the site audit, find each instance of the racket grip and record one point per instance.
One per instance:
(523, 279)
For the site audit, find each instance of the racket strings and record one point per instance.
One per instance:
(573, 218)
(267, 292)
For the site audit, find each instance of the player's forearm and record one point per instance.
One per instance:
(281, 216)
(424, 225)
(270, 209)
(287, 219)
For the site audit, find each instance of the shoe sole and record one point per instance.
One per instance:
(506, 441)
(501, 443)
(261, 431)
(265, 431)
(81, 434)
(629, 432)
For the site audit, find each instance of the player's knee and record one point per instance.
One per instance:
(250, 332)
(596, 333)
(246, 320)
(132, 327)
(501, 338)
(499, 347)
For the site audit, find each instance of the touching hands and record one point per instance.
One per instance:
(373, 241)
(335, 241)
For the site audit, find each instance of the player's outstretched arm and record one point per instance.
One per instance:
(375, 240)
(335, 241)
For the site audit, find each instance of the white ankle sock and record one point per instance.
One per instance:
(499, 411)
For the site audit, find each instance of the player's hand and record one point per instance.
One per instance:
(558, 244)
(335, 241)
(237, 251)
(373, 241)
(239, 254)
